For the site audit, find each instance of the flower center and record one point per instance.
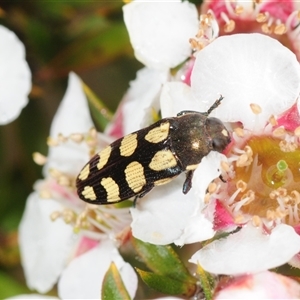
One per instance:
(263, 179)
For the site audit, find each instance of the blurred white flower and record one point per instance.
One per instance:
(15, 76)
(160, 31)
(57, 226)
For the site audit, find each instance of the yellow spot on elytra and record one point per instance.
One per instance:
(192, 167)
(88, 193)
(135, 177)
(158, 134)
(163, 160)
(163, 181)
(128, 144)
(84, 172)
(112, 189)
(104, 156)
(224, 132)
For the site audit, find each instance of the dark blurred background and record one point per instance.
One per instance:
(87, 37)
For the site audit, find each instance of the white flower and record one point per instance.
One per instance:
(254, 90)
(83, 277)
(15, 76)
(160, 31)
(265, 285)
(57, 226)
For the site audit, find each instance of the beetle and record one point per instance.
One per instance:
(134, 164)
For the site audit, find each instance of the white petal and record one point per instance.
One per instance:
(72, 116)
(160, 31)
(176, 97)
(73, 113)
(138, 103)
(82, 279)
(245, 69)
(45, 245)
(207, 171)
(15, 76)
(168, 211)
(249, 251)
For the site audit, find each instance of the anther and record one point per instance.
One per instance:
(76, 137)
(280, 29)
(256, 221)
(256, 109)
(242, 185)
(51, 142)
(39, 158)
(279, 132)
(239, 132)
(297, 131)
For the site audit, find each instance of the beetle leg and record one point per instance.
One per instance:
(188, 182)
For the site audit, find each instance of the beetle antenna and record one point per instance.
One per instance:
(215, 105)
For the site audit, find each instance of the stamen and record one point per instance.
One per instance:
(39, 158)
(241, 185)
(256, 221)
(279, 132)
(55, 215)
(212, 187)
(256, 109)
(76, 137)
(297, 131)
(51, 142)
(239, 132)
(272, 120)
(230, 24)
(262, 17)
(280, 29)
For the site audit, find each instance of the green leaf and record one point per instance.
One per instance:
(163, 260)
(113, 286)
(10, 287)
(207, 282)
(166, 284)
(100, 112)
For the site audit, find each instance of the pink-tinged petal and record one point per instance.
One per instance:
(265, 285)
(246, 69)
(295, 261)
(249, 251)
(45, 245)
(72, 116)
(137, 105)
(83, 277)
(175, 97)
(223, 220)
(15, 76)
(168, 211)
(160, 31)
(291, 119)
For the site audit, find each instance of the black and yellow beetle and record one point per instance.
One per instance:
(132, 165)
